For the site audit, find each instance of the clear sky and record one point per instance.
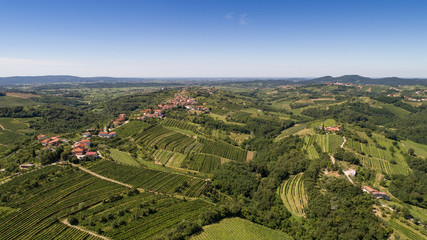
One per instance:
(213, 38)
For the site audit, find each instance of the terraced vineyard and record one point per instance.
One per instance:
(290, 131)
(384, 166)
(329, 142)
(180, 124)
(131, 129)
(202, 162)
(237, 228)
(312, 153)
(176, 160)
(141, 216)
(163, 156)
(405, 230)
(123, 158)
(223, 149)
(151, 180)
(379, 159)
(166, 139)
(59, 191)
(293, 195)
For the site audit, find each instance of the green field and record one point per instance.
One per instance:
(420, 149)
(223, 149)
(407, 231)
(293, 195)
(290, 131)
(123, 158)
(176, 160)
(180, 125)
(202, 162)
(162, 156)
(131, 129)
(328, 143)
(384, 166)
(312, 153)
(151, 180)
(8, 137)
(166, 139)
(379, 159)
(60, 192)
(12, 124)
(142, 216)
(237, 228)
(7, 101)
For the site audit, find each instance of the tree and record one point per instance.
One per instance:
(411, 152)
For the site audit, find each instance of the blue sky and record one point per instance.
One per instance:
(213, 38)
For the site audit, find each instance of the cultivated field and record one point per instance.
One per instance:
(59, 191)
(293, 195)
(123, 158)
(237, 228)
(151, 180)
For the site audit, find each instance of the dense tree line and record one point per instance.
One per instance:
(62, 119)
(412, 189)
(19, 112)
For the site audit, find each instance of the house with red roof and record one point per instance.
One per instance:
(41, 136)
(78, 151)
(92, 155)
(376, 193)
(45, 142)
(103, 134)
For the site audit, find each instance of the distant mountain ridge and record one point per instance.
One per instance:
(356, 79)
(53, 79)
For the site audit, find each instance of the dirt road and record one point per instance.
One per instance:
(65, 221)
(100, 176)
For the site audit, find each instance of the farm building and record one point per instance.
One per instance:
(39, 137)
(92, 155)
(368, 189)
(107, 135)
(376, 193)
(381, 195)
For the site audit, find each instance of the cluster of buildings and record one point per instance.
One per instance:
(149, 113)
(118, 121)
(340, 84)
(376, 193)
(107, 134)
(415, 99)
(81, 150)
(185, 101)
(49, 141)
(180, 100)
(331, 129)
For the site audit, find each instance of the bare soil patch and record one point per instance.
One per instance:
(21, 95)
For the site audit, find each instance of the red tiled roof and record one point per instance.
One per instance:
(91, 153)
(369, 189)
